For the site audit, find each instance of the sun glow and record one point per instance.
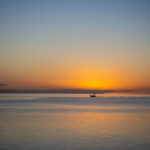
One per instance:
(94, 84)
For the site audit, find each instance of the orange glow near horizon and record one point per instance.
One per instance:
(84, 78)
(91, 78)
(80, 75)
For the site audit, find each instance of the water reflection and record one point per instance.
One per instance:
(33, 126)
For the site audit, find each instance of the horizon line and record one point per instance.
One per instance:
(77, 91)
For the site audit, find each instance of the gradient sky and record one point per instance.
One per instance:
(102, 44)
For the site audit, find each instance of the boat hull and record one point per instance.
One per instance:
(92, 95)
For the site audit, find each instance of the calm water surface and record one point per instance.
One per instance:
(62, 122)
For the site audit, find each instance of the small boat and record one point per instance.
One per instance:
(92, 95)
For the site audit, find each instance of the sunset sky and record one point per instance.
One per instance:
(96, 44)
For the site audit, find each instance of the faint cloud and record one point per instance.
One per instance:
(3, 84)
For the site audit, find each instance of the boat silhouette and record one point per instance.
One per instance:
(92, 95)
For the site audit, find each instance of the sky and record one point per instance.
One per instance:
(85, 44)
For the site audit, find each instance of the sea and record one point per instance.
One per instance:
(74, 122)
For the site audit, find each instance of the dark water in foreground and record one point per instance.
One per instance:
(45, 122)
